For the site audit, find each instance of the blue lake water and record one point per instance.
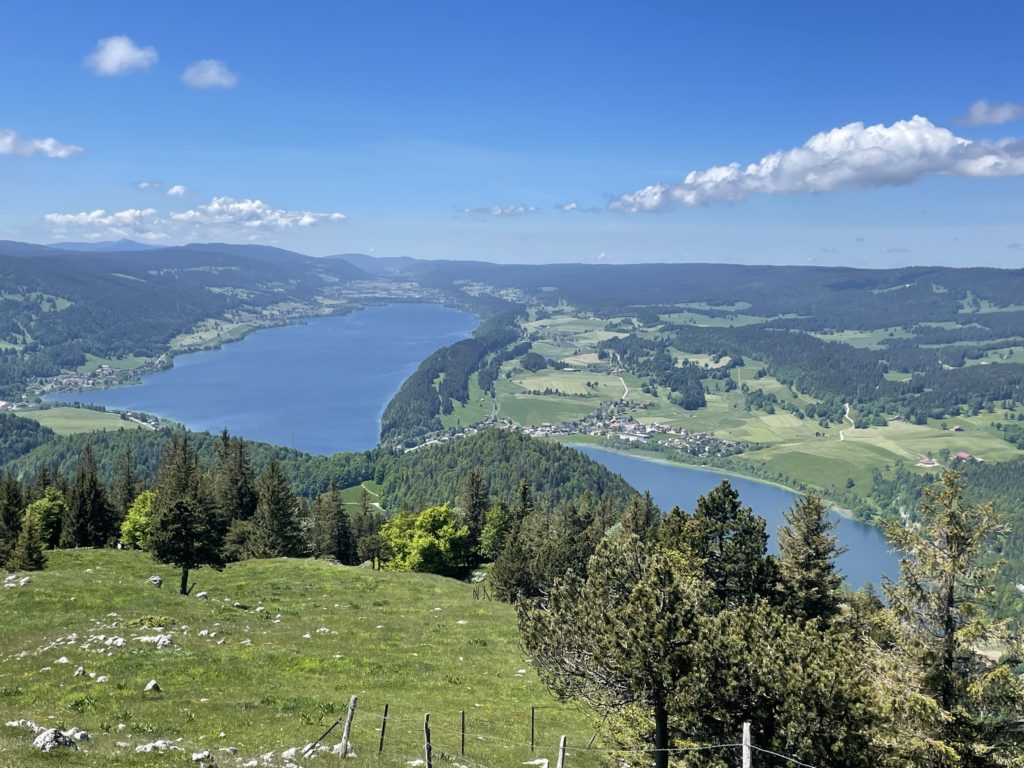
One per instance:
(322, 385)
(319, 386)
(867, 557)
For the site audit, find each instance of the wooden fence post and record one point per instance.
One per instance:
(346, 744)
(427, 751)
(462, 748)
(533, 720)
(747, 762)
(383, 727)
(561, 752)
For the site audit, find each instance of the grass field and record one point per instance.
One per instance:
(70, 421)
(118, 364)
(271, 672)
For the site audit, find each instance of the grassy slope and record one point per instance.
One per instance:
(391, 638)
(70, 421)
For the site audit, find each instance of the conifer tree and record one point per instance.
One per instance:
(183, 536)
(474, 498)
(807, 561)
(332, 529)
(524, 500)
(275, 527)
(641, 517)
(234, 485)
(12, 506)
(28, 554)
(499, 523)
(730, 542)
(623, 637)
(947, 580)
(512, 572)
(124, 489)
(88, 520)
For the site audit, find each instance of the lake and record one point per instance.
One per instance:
(319, 386)
(867, 557)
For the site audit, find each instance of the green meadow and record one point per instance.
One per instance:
(266, 663)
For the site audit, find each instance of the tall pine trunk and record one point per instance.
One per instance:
(660, 731)
(184, 580)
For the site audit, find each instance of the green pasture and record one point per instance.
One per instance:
(266, 664)
(70, 421)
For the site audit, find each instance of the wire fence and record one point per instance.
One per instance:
(403, 739)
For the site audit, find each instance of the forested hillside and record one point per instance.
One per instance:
(56, 306)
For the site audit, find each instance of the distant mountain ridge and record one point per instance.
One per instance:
(105, 246)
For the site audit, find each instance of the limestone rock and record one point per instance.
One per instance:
(153, 687)
(51, 739)
(156, 581)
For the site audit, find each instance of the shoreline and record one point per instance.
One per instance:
(841, 511)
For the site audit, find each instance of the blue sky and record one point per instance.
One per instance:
(463, 130)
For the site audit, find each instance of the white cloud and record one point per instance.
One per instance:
(250, 213)
(178, 190)
(221, 217)
(149, 184)
(501, 210)
(119, 54)
(209, 73)
(12, 144)
(852, 157)
(986, 113)
(568, 207)
(140, 223)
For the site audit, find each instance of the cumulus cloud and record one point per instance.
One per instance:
(12, 144)
(178, 190)
(992, 113)
(150, 184)
(119, 54)
(209, 73)
(500, 210)
(568, 207)
(227, 211)
(854, 156)
(140, 223)
(222, 216)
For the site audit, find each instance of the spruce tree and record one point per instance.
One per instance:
(12, 507)
(183, 536)
(234, 485)
(88, 519)
(124, 489)
(474, 498)
(500, 521)
(275, 528)
(332, 529)
(730, 542)
(807, 561)
(641, 517)
(28, 554)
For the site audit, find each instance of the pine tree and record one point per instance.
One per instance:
(275, 527)
(474, 498)
(88, 519)
(807, 560)
(524, 500)
(12, 507)
(623, 637)
(947, 580)
(28, 554)
(512, 573)
(125, 488)
(499, 522)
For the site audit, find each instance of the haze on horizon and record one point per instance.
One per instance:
(603, 132)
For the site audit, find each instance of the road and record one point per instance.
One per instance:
(625, 387)
(846, 415)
